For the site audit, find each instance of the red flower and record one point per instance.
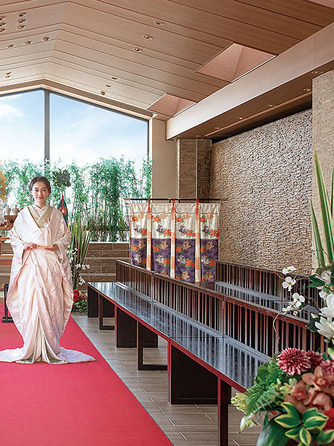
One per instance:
(211, 262)
(213, 233)
(156, 248)
(76, 292)
(178, 249)
(188, 262)
(202, 249)
(189, 232)
(178, 277)
(330, 421)
(156, 219)
(143, 261)
(179, 219)
(134, 219)
(315, 359)
(144, 232)
(202, 219)
(166, 262)
(328, 366)
(293, 361)
(134, 248)
(166, 232)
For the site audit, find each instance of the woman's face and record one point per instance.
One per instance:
(40, 193)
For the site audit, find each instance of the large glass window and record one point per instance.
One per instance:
(95, 157)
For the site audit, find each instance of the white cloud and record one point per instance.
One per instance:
(9, 112)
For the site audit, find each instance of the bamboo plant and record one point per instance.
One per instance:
(78, 247)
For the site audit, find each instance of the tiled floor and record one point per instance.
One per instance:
(184, 425)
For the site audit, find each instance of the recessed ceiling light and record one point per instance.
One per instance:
(2, 17)
(2, 23)
(21, 26)
(8, 73)
(21, 21)
(114, 78)
(147, 37)
(103, 93)
(159, 22)
(108, 86)
(137, 50)
(28, 42)
(11, 45)
(270, 105)
(21, 14)
(307, 90)
(217, 128)
(240, 118)
(2, 30)
(46, 39)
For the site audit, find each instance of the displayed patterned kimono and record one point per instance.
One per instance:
(40, 295)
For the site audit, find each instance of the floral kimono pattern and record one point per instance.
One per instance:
(161, 238)
(138, 233)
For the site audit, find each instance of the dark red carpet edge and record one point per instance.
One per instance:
(83, 404)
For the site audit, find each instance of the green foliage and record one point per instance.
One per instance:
(326, 206)
(78, 247)
(272, 434)
(95, 194)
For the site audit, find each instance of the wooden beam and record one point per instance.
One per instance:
(294, 67)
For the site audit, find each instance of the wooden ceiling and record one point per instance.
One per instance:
(129, 54)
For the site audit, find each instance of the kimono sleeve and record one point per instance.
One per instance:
(16, 241)
(64, 237)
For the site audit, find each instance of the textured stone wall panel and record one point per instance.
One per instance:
(266, 175)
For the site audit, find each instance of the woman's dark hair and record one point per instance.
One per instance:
(43, 180)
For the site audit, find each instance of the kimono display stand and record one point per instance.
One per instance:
(6, 260)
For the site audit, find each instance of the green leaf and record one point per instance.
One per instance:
(327, 221)
(293, 433)
(317, 239)
(272, 435)
(288, 421)
(311, 325)
(312, 419)
(330, 352)
(325, 437)
(305, 437)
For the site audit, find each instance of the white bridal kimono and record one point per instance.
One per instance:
(40, 295)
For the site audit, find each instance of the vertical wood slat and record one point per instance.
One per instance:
(241, 320)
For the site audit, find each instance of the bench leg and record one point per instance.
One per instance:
(101, 302)
(146, 339)
(92, 302)
(188, 381)
(224, 399)
(126, 330)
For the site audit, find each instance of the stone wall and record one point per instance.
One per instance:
(266, 176)
(193, 168)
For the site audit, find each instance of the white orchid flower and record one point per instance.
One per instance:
(288, 270)
(325, 327)
(329, 310)
(288, 283)
(326, 276)
(298, 299)
(323, 295)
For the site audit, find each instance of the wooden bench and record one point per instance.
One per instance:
(215, 341)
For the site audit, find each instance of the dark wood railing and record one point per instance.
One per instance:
(257, 326)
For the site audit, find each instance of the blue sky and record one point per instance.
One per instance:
(79, 131)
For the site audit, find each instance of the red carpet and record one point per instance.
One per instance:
(83, 404)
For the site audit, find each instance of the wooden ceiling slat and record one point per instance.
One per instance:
(232, 30)
(259, 17)
(299, 9)
(167, 43)
(147, 61)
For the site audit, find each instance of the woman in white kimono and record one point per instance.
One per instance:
(40, 295)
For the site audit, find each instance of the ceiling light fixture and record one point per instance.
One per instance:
(46, 39)
(103, 93)
(147, 37)
(159, 22)
(21, 14)
(2, 17)
(11, 45)
(137, 50)
(21, 26)
(108, 86)
(2, 23)
(2, 30)
(21, 21)
(307, 90)
(28, 42)
(114, 78)
(270, 105)
(240, 118)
